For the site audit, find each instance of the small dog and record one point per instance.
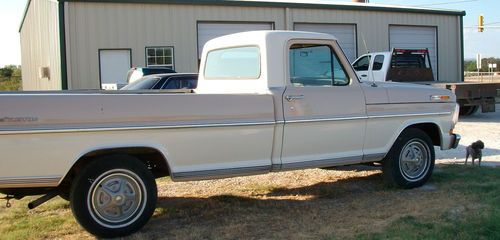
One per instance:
(475, 150)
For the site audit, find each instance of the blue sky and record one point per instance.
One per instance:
(485, 43)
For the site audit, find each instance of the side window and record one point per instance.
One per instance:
(315, 65)
(362, 64)
(180, 83)
(378, 62)
(172, 83)
(160, 57)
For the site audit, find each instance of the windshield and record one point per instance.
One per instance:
(143, 83)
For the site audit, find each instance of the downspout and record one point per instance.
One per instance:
(62, 46)
(462, 75)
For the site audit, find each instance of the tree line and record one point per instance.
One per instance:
(470, 65)
(10, 78)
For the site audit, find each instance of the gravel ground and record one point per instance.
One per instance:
(480, 126)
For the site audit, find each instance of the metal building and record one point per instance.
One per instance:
(81, 44)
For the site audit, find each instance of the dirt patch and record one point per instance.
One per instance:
(307, 204)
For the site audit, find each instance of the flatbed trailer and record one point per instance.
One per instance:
(471, 95)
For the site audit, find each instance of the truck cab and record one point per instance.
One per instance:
(398, 65)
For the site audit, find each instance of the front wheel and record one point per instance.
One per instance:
(410, 161)
(113, 196)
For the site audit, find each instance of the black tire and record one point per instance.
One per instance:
(410, 161)
(468, 110)
(113, 196)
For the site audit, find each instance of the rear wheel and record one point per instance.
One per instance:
(114, 196)
(410, 161)
(468, 110)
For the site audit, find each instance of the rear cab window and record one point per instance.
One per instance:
(378, 62)
(233, 63)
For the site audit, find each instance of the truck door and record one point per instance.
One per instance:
(362, 67)
(324, 107)
(377, 70)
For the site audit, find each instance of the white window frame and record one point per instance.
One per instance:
(172, 56)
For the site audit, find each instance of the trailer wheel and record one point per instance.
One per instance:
(113, 196)
(410, 161)
(468, 110)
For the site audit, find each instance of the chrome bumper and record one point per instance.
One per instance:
(455, 139)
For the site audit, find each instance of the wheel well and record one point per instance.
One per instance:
(151, 157)
(432, 130)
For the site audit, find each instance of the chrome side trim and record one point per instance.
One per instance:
(29, 182)
(70, 130)
(366, 117)
(326, 119)
(408, 115)
(220, 173)
(131, 128)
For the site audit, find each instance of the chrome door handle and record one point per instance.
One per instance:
(294, 97)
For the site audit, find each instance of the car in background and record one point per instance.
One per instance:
(165, 81)
(136, 73)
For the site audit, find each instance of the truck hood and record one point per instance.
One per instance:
(412, 93)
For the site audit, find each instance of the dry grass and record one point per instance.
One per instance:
(307, 204)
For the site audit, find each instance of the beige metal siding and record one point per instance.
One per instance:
(94, 26)
(40, 46)
(373, 29)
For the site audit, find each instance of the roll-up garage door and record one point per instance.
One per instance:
(345, 34)
(413, 37)
(209, 31)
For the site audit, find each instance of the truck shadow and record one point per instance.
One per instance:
(288, 211)
(482, 117)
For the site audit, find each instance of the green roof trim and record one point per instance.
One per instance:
(284, 4)
(24, 15)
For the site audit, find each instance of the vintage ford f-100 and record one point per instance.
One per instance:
(266, 101)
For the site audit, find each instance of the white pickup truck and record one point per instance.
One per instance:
(414, 66)
(266, 101)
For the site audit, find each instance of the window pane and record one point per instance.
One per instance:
(151, 52)
(362, 64)
(233, 63)
(159, 61)
(378, 62)
(311, 65)
(151, 61)
(168, 52)
(159, 52)
(168, 60)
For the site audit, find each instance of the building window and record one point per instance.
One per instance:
(160, 57)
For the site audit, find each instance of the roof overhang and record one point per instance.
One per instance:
(312, 4)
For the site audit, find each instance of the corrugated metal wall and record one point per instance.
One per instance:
(40, 46)
(94, 26)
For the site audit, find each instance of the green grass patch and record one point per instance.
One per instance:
(51, 220)
(10, 84)
(478, 220)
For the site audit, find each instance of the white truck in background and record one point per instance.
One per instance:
(414, 66)
(266, 101)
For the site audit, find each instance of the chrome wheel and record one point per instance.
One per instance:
(414, 160)
(117, 198)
